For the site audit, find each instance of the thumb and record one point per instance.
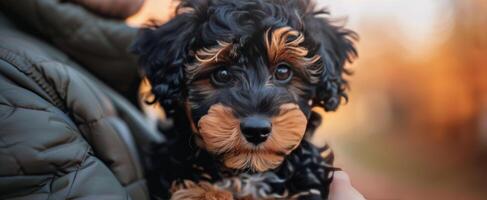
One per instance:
(342, 189)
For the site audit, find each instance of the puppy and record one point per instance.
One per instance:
(239, 80)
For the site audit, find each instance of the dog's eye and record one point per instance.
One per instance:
(221, 76)
(283, 73)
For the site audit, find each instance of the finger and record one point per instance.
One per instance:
(342, 189)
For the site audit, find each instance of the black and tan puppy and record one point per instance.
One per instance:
(238, 79)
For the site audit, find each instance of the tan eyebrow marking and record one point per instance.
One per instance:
(283, 45)
(207, 58)
(213, 54)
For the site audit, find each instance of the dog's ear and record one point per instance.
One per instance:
(162, 53)
(334, 45)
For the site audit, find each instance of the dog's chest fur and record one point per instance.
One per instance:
(305, 174)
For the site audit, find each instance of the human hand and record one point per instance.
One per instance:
(341, 188)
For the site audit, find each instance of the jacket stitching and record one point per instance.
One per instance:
(35, 75)
(76, 172)
(24, 107)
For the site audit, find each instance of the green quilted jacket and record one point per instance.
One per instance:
(67, 130)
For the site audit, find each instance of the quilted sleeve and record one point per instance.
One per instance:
(99, 44)
(43, 155)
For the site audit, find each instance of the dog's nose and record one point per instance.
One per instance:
(255, 129)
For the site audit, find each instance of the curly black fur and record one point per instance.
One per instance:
(166, 50)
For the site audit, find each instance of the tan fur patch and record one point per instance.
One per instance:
(215, 54)
(283, 45)
(199, 191)
(207, 58)
(220, 132)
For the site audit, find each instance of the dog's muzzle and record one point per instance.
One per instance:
(254, 142)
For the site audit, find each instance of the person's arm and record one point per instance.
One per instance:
(98, 44)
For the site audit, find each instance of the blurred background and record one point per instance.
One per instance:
(416, 123)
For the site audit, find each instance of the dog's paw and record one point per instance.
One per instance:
(189, 190)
